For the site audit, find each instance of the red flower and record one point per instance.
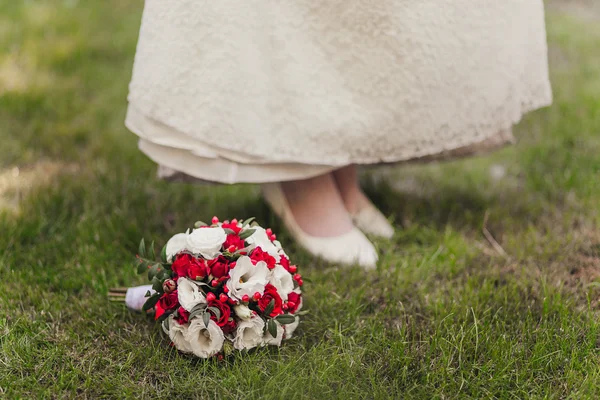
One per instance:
(235, 241)
(186, 265)
(229, 326)
(158, 311)
(270, 294)
(225, 313)
(219, 267)
(197, 268)
(182, 316)
(259, 255)
(295, 299)
(167, 301)
(285, 263)
(232, 226)
(181, 265)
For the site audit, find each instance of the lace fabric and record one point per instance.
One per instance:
(307, 83)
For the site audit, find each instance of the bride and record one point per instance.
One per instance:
(295, 94)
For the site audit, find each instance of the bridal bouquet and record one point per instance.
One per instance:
(221, 287)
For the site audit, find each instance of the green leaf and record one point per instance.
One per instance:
(228, 348)
(157, 284)
(142, 249)
(284, 319)
(303, 312)
(206, 319)
(272, 327)
(153, 270)
(165, 315)
(163, 273)
(151, 250)
(199, 224)
(151, 302)
(269, 308)
(215, 311)
(229, 231)
(197, 310)
(142, 266)
(246, 233)
(163, 254)
(148, 293)
(165, 326)
(248, 221)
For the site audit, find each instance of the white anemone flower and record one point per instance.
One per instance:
(247, 278)
(249, 334)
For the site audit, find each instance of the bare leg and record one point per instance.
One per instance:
(364, 214)
(347, 182)
(317, 206)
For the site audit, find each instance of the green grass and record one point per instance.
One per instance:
(445, 315)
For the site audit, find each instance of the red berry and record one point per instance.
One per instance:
(214, 282)
(231, 249)
(293, 269)
(232, 265)
(300, 282)
(256, 296)
(285, 307)
(234, 221)
(211, 296)
(297, 277)
(231, 301)
(220, 357)
(225, 289)
(273, 238)
(243, 253)
(245, 298)
(215, 220)
(223, 298)
(291, 304)
(269, 232)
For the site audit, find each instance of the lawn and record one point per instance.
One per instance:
(490, 289)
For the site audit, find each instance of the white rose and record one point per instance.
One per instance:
(206, 241)
(177, 335)
(282, 280)
(274, 341)
(249, 334)
(189, 294)
(261, 239)
(247, 278)
(176, 245)
(291, 328)
(205, 341)
(242, 312)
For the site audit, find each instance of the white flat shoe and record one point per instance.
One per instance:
(372, 222)
(349, 249)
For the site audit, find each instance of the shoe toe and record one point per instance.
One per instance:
(362, 251)
(372, 222)
(368, 257)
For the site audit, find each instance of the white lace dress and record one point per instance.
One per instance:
(269, 90)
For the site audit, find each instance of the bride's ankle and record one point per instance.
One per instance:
(317, 206)
(349, 188)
